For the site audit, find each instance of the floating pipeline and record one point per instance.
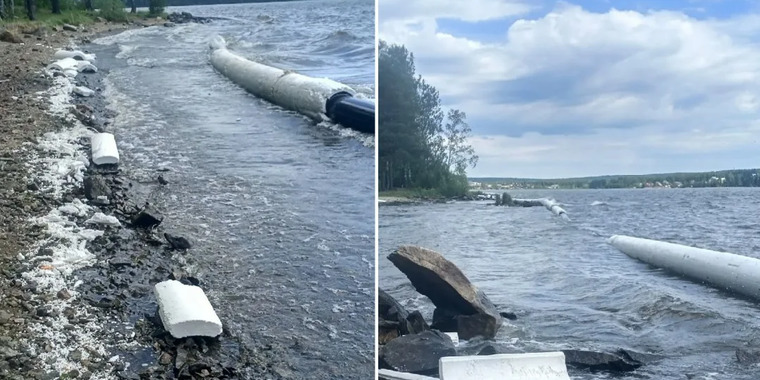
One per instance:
(317, 98)
(351, 112)
(735, 273)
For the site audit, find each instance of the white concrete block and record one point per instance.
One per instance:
(104, 149)
(531, 366)
(388, 374)
(454, 337)
(185, 310)
(83, 91)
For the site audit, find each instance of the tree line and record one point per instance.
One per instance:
(112, 10)
(721, 178)
(419, 145)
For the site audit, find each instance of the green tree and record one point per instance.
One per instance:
(156, 7)
(415, 148)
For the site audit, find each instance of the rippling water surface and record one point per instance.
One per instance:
(281, 210)
(572, 290)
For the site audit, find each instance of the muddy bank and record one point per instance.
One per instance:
(76, 296)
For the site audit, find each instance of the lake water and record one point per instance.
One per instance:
(281, 210)
(570, 289)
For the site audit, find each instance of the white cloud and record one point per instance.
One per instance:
(659, 76)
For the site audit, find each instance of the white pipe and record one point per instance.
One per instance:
(557, 210)
(530, 366)
(736, 273)
(75, 54)
(185, 310)
(104, 149)
(287, 89)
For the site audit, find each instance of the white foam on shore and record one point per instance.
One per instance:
(57, 166)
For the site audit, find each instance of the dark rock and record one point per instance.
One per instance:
(447, 287)
(747, 357)
(121, 261)
(185, 17)
(177, 242)
(417, 353)
(147, 217)
(162, 180)
(417, 322)
(8, 36)
(644, 358)
(70, 28)
(508, 315)
(470, 326)
(96, 186)
(600, 361)
(396, 316)
(169, 24)
(42, 311)
(444, 319)
(63, 294)
(165, 359)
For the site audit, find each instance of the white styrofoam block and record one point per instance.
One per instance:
(388, 374)
(454, 337)
(100, 218)
(530, 366)
(185, 310)
(104, 149)
(83, 91)
(740, 274)
(64, 64)
(86, 67)
(74, 54)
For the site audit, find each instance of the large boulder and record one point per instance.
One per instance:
(448, 288)
(417, 353)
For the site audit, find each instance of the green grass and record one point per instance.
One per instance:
(45, 17)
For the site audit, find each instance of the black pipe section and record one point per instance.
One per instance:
(349, 111)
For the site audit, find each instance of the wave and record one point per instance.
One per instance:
(599, 203)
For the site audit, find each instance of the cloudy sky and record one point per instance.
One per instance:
(576, 88)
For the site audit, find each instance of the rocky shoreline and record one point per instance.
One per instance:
(79, 251)
(409, 344)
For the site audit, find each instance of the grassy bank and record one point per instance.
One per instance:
(110, 11)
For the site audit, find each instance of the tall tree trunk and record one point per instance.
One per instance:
(88, 4)
(56, 5)
(12, 12)
(2, 9)
(31, 7)
(134, 6)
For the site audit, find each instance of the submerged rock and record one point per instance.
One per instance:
(417, 353)
(177, 242)
(448, 288)
(747, 357)
(147, 217)
(600, 361)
